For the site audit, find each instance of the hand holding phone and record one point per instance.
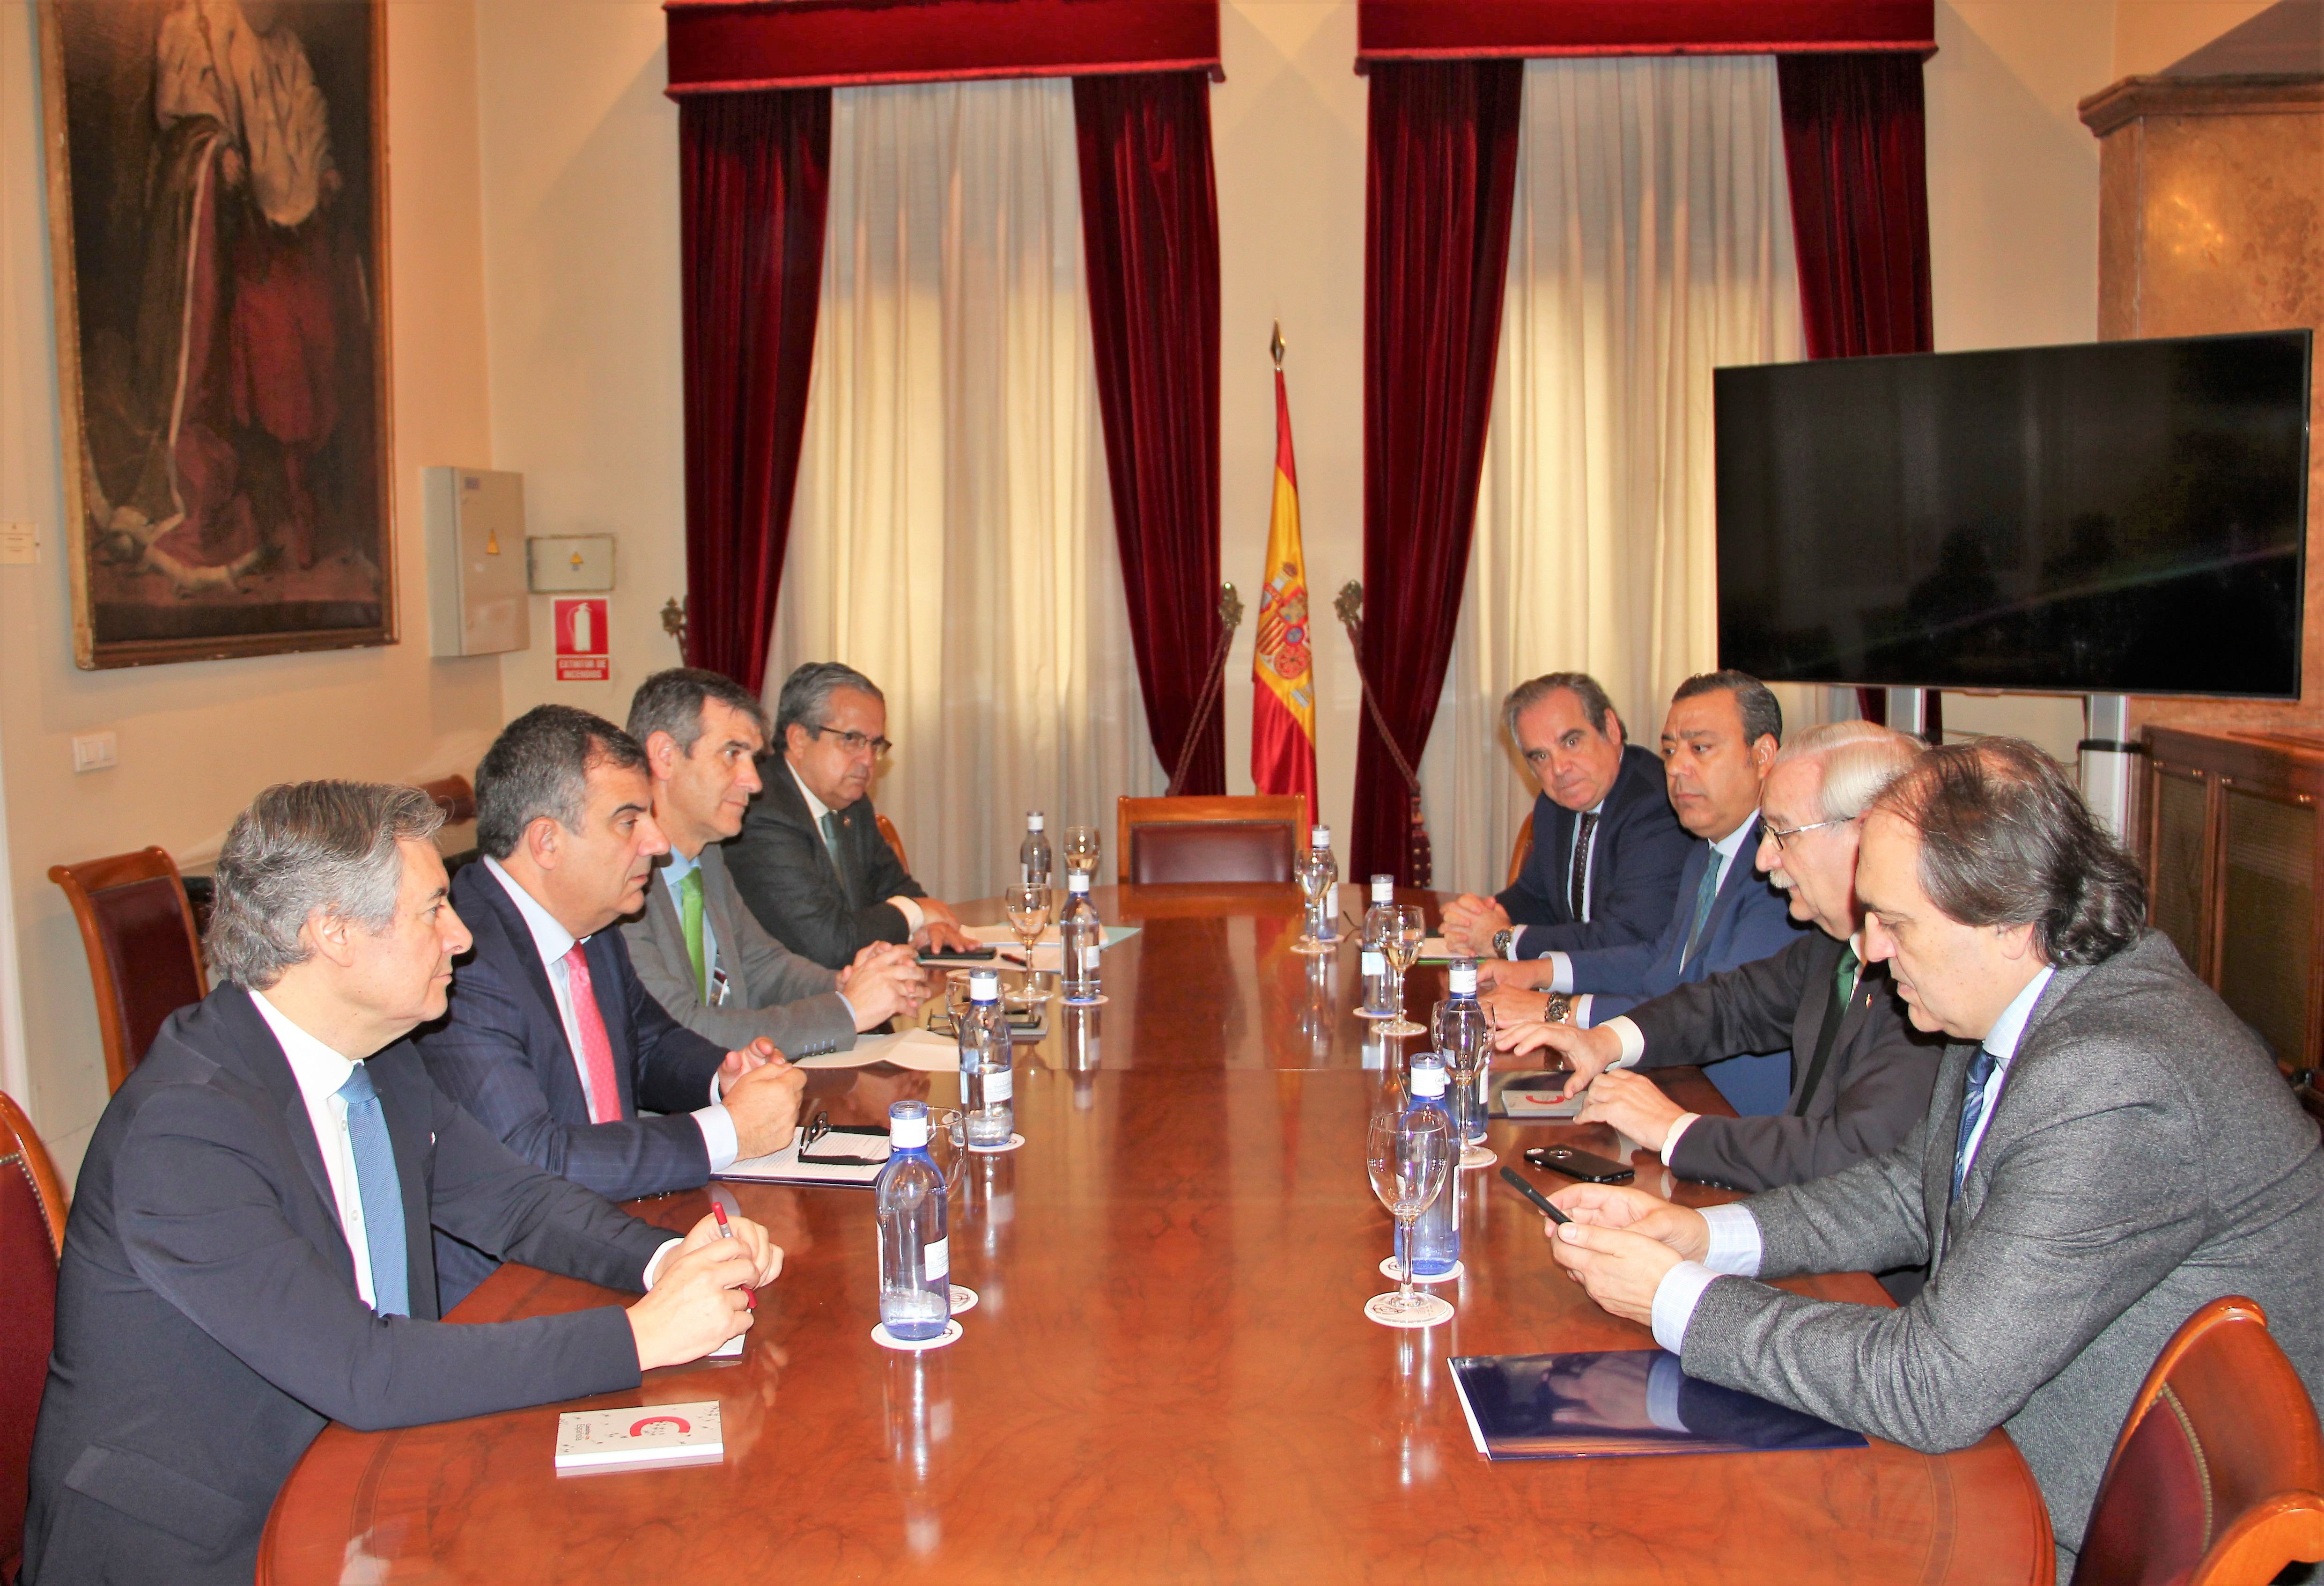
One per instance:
(1548, 1209)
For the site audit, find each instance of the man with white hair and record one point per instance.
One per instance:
(1861, 1075)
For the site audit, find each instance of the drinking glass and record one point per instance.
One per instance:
(1405, 929)
(1316, 877)
(1082, 851)
(1029, 915)
(1410, 1157)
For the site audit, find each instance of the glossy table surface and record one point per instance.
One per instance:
(1168, 1377)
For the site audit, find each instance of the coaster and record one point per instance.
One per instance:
(951, 1335)
(1476, 1156)
(963, 1300)
(994, 1150)
(1076, 1002)
(1387, 1270)
(1431, 1311)
(1367, 1014)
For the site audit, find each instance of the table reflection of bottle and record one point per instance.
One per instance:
(1320, 1015)
(989, 1188)
(1417, 1368)
(1082, 1057)
(919, 1424)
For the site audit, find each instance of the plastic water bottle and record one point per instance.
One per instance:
(1080, 935)
(1464, 1038)
(1380, 985)
(915, 1252)
(1437, 1232)
(988, 1081)
(1322, 890)
(1033, 853)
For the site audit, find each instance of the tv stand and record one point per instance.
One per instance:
(1908, 711)
(2110, 762)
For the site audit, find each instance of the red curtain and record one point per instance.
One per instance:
(753, 180)
(1150, 235)
(1442, 172)
(1856, 152)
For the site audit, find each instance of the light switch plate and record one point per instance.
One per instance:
(96, 751)
(19, 544)
(562, 563)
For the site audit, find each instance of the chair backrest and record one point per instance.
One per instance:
(455, 796)
(32, 1232)
(1209, 839)
(895, 841)
(144, 950)
(2219, 1475)
(1521, 851)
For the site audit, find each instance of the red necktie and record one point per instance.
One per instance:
(597, 1050)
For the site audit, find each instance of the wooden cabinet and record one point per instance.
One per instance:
(2232, 856)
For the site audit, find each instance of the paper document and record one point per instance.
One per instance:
(783, 1167)
(1046, 955)
(920, 1050)
(641, 1437)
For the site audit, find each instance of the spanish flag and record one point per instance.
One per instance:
(1282, 669)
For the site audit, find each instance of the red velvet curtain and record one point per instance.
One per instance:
(1856, 152)
(1151, 236)
(1443, 173)
(753, 180)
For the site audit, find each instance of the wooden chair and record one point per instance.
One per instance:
(2217, 1478)
(1209, 839)
(895, 842)
(1522, 850)
(144, 949)
(455, 796)
(31, 1236)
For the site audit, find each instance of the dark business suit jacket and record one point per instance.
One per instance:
(1749, 920)
(2145, 1158)
(208, 1319)
(501, 1053)
(821, 911)
(1640, 849)
(1872, 1089)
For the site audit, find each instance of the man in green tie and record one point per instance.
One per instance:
(695, 946)
(1860, 1073)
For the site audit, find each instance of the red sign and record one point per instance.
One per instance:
(583, 654)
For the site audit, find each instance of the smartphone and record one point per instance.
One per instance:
(1534, 1196)
(1549, 1080)
(960, 954)
(1580, 1164)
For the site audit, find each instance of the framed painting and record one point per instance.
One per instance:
(218, 212)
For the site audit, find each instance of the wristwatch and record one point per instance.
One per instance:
(1559, 1010)
(1502, 941)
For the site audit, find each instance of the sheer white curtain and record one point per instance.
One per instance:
(952, 537)
(1651, 242)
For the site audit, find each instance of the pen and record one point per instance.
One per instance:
(725, 1231)
(1534, 1196)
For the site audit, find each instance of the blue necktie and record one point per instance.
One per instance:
(1704, 896)
(1980, 1070)
(382, 1193)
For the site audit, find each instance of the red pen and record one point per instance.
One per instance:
(749, 1295)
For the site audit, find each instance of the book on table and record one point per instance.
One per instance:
(1636, 1401)
(641, 1437)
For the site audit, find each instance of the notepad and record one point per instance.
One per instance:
(642, 1437)
(1542, 1407)
(1524, 1097)
(784, 1167)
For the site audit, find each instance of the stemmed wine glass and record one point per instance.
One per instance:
(1410, 1157)
(1405, 929)
(1082, 851)
(1029, 915)
(1318, 877)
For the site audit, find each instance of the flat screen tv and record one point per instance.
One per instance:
(2119, 517)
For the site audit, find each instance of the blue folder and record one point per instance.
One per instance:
(1547, 1407)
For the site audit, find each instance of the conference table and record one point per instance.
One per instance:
(1169, 1375)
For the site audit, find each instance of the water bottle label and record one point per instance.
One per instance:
(1035, 821)
(1464, 980)
(1375, 963)
(1078, 881)
(1383, 889)
(936, 1259)
(1319, 836)
(998, 1086)
(1089, 959)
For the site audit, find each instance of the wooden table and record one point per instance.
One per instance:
(1169, 1377)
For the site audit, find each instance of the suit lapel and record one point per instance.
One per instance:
(519, 946)
(1944, 1134)
(259, 1055)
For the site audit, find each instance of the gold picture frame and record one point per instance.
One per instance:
(218, 241)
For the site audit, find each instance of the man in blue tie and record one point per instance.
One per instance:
(248, 1253)
(2109, 1150)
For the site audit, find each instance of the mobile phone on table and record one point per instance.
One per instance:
(960, 954)
(1580, 1164)
(1534, 1196)
(1548, 1081)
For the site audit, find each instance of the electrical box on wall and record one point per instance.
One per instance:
(562, 563)
(477, 603)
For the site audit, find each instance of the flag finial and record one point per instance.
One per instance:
(1275, 345)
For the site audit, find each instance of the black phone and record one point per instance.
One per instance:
(1580, 1164)
(960, 955)
(1534, 1196)
(1552, 1080)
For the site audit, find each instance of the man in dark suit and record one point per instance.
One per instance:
(1717, 743)
(811, 862)
(1607, 848)
(247, 1256)
(695, 947)
(551, 1042)
(2107, 1150)
(1860, 1073)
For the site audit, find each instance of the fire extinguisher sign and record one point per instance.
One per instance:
(583, 654)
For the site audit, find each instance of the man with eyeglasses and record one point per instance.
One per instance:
(811, 862)
(1861, 1073)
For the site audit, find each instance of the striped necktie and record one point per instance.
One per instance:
(1980, 1070)
(380, 1192)
(1577, 884)
(1704, 896)
(830, 824)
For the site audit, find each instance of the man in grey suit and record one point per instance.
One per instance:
(2108, 1149)
(1860, 1073)
(707, 960)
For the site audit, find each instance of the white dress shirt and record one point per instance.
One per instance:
(1734, 1246)
(909, 908)
(553, 941)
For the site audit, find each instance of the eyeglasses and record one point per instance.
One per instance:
(1783, 838)
(854, 743)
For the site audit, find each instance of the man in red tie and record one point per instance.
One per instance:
(551, 1042)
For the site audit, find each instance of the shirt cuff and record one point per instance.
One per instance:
(1579, 1012)
(1561, 973)
(1670, 1140)
(653, 1267)
(1633, 1040)
(850, 1007)
(718, 1136)
(914, 915)
(1517, 935)
(1734, 1246)
(1675, 1297)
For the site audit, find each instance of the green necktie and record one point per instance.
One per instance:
(689, 901)
(1843, 976)
(1704, 896)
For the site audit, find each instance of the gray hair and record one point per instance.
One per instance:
(672, 702)
(1859, 760)
(806, 699)
(304, 848)
(539, 765)
(1585, 689)
(1761, 714)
